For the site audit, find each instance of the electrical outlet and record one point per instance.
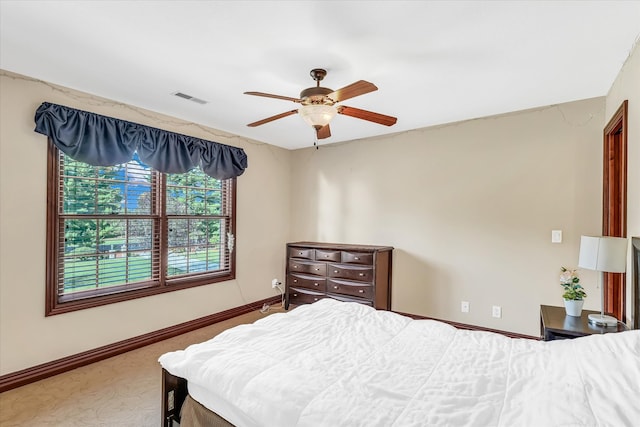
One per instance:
(275, 283)
(496, 311)
(464, 306)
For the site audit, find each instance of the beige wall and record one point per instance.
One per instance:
(627, 86)
(27, 338)
(469, 208)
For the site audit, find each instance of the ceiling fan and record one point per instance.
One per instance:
(318, 105)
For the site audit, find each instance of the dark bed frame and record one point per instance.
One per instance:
(174, 393)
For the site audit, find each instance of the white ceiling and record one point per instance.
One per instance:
(433, 62)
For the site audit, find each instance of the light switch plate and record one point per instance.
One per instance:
(556, 236)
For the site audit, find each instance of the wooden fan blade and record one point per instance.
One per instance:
(272, 118)
(367, 115)
(354, 89)
(270, 95)
(323, 132)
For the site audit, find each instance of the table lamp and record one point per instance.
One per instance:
(607, 255)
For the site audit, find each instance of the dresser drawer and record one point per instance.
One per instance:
(316, 283)
(355, 289)
(315, 268)
(302, 253)
(322, 255)
(352, 272)
(303, 296)
(357, 258)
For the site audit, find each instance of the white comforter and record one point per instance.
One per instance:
(344, 364)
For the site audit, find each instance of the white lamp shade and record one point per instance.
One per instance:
(317, 115)
(603, 253)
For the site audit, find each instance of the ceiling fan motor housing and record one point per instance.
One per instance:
(316, 95)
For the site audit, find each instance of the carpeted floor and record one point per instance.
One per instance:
(124, 390)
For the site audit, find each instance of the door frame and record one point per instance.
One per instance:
(614, 204)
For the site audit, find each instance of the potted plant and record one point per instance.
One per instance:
(574, 293)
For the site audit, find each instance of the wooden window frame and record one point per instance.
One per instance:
(53, 303)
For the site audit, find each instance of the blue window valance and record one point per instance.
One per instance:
(105, 141)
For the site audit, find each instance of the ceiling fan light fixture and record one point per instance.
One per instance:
(317, 115)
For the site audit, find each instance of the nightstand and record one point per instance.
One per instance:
(556, 325)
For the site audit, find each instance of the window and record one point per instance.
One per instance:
(127, 231)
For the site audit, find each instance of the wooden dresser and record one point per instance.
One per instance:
(359, 273)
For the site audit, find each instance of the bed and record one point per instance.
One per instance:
(336, 363)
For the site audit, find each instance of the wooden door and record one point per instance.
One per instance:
(614, 204)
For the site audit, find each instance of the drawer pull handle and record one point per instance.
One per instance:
(300, 253)
(315, 299)
(295, 295)
(361, 291)
(295, 266)
(315, 284)
(295, 280)
(326, 256)
(361, 274)
(356, 258)
(317, 269)
(336, 271)
(335, 287)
